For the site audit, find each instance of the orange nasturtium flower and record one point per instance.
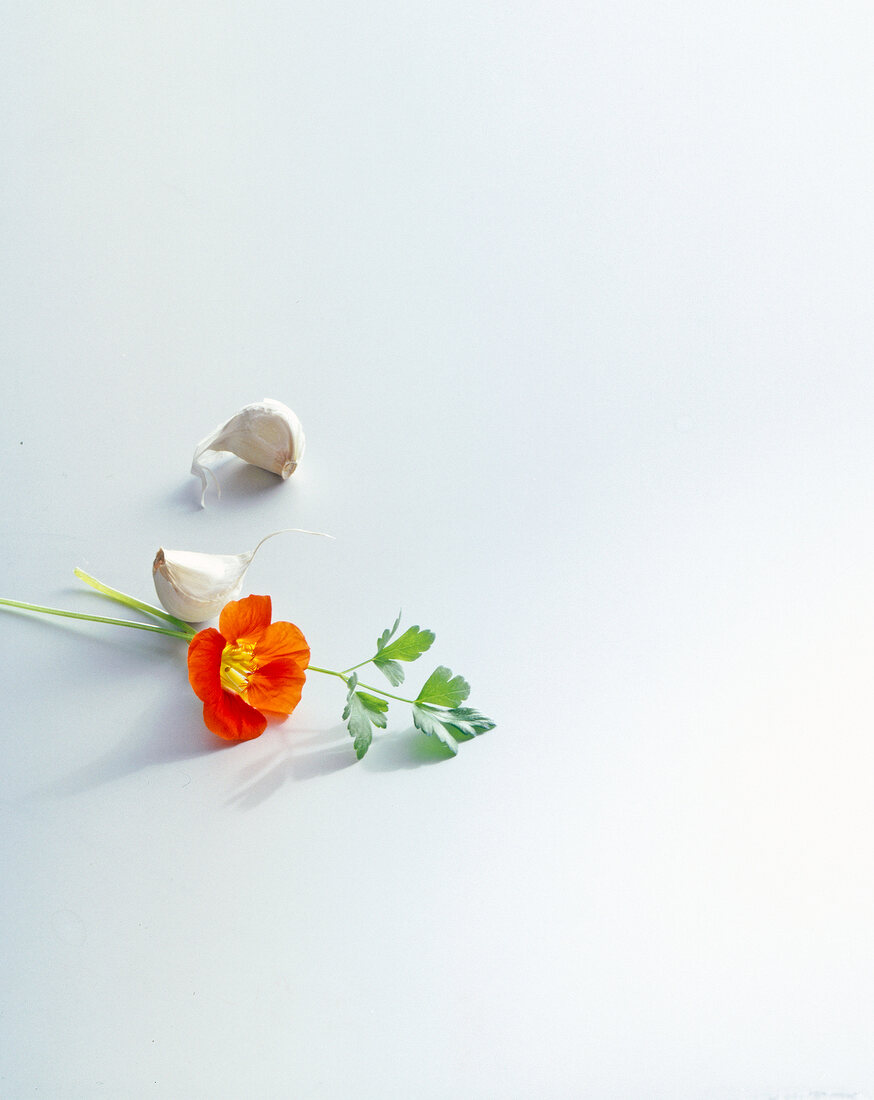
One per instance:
(248, 667)
(251, 667)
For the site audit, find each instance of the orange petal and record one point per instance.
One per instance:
(276, 686)
(228, 716)
(282, 640)
(204, 664)
(244, 618)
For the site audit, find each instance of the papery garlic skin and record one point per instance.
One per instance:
(267, 434)
(195, 587)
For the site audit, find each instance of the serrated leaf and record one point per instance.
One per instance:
(376, 707)
(392, 671)
(429, 723)
(450, 725)
(442, 689)
(465, 722)
(411, 645)
(408, 647)
(383, 639)
(361, 713)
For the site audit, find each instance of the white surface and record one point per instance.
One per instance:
(574, 302)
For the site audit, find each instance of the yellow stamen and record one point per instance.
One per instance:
(237, 666)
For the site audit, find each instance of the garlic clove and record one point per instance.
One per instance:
(195, 587)
(266, 434)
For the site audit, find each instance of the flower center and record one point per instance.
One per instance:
(236, 667)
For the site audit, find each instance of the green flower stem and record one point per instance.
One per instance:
(367, 687)
(361, 665)
(327, 672)
(137, 605)
(186, 636)
(387, 694)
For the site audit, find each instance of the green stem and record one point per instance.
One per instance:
(327, 672)
(387, 694)
(361, 665)
(130, 601)
(367, 687)
(98, 619)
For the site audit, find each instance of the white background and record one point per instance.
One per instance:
(574, 302)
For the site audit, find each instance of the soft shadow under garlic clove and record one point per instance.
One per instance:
(266, 434)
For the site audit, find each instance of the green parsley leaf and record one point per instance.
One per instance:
(443, 690)
(362, 711)
(428, 721)
(383, 639)
(449, 726)
(392, 671)
(408, 647)
(465, 722)
(377, 707)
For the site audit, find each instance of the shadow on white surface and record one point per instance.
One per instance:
(164, 738)
(402, 749)
(293, 758)
(241, 485)
(160, 738)
(314, 754)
